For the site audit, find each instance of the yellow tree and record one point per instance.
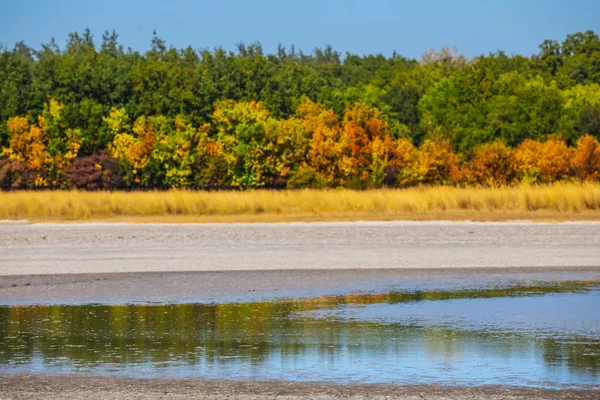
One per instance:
(47, 147)
(401, 163)
(586, 159)
(286, 148)
(434, 163)
(157, 152)
(27, 144)
(241, 128)
(322, 129)
(133, 148)
(543, 161)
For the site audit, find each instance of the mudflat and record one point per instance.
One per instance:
(227, 286)
(74, 387)
(125, 263)
(48, 249)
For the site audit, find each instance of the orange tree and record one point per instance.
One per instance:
(586, 159)
(366, 146)
(490, 165)
(322, 131)
(542, 161)
(47, 147)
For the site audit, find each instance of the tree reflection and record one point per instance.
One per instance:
(222, 334)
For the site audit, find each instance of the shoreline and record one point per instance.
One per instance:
(128, 263)
(54, 249)
(71, 387)
(254, 286)
(67, 223)
(591, 216)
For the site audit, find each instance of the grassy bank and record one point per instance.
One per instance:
(547, 202)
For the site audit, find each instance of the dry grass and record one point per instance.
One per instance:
(560, 201)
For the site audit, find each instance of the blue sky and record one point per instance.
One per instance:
(362, 27)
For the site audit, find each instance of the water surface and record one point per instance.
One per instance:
(543, 335)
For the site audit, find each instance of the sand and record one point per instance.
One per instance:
(114, 248)
(79, 263)
(55, 387)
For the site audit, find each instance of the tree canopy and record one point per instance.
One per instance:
(96, 116)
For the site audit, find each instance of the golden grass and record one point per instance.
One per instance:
(559, 201)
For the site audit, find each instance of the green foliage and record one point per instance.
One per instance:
(525, 108)
(307, 178)
(245, 119)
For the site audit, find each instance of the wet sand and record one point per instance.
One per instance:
(54, 263)
(55, 387)
(226, 286)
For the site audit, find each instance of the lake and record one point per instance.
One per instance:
(536, 334)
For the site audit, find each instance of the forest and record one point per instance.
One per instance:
(96, 116)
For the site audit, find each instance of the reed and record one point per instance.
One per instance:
(558, 201)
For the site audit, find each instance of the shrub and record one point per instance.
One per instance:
(491, 165)
(543, 161)
(306, 178)
(95, 172)
(586, 159)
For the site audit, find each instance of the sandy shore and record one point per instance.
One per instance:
(53, 263)
(54, 387)
(113, 248)
(220, 286)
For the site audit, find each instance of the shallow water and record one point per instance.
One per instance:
(545, 335)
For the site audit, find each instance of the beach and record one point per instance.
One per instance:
(42, 264)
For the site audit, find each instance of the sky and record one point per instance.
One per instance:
(360, 27)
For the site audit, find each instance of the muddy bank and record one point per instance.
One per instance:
(115, 248)
(92, 387)
(126, 263)
(219, 286)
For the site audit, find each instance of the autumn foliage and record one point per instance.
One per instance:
(97, 116)
(44, 148)
(491, 165)
(245, 146)
(585, 159)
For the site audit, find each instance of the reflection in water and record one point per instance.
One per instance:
(398, 337)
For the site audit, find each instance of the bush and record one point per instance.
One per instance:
(306, 178)
(16, 175)
(95, 172)
(586, 159)
(491, 165)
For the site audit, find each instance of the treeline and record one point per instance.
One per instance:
(99, 117)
